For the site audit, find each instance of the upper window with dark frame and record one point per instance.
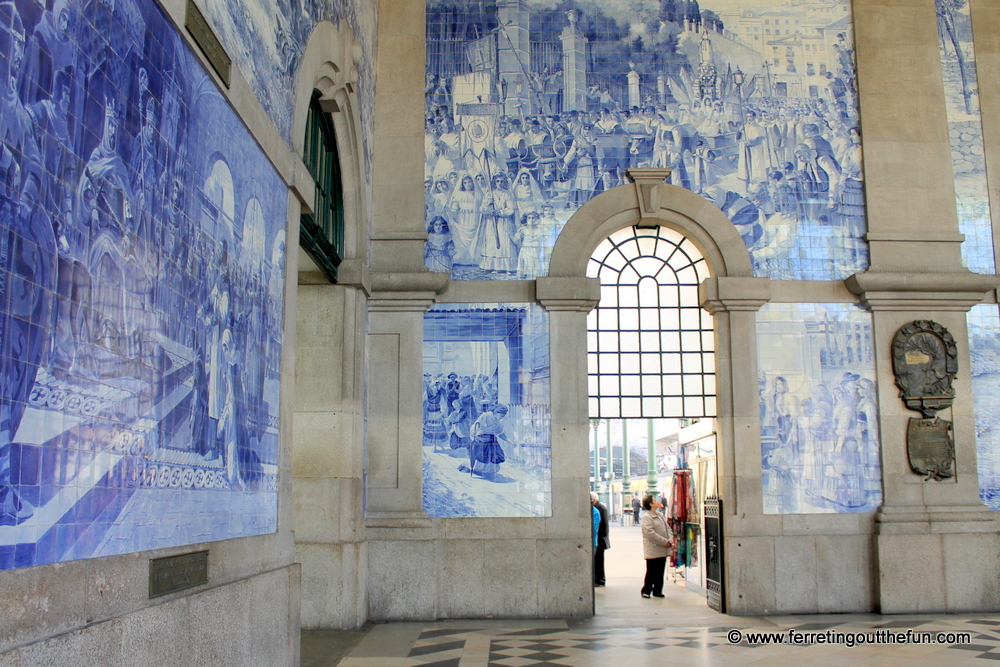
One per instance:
(321, 232)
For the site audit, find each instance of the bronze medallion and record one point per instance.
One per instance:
(925, 362)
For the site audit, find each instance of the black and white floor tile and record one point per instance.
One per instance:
(568, 644)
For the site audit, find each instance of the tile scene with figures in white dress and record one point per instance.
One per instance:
(533, 107)
(486, 411)
(818, 410)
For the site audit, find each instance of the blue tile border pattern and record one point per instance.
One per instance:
(965, 129)
(984, 353)
(533, 108)
(818, 410)
(142, 243)
(486, 411)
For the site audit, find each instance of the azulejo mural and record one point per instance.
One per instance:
(958, 63)
(487, 420)
(984, 357)
(818, 412)
(141, 293)
(266, 40)
(535, 106)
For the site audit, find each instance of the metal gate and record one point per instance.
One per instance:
(714, 572)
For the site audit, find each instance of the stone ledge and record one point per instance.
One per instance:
(909, 291)
(397, 520)
(568, 294)
(734, 294)
(406, 291)
(302, 186)
(925, 520)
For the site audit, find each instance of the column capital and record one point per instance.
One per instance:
(905, 291)
(354, 273)
(734, 294)
(576, 294)
(406, 291)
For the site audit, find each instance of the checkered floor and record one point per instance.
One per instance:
(583, 644)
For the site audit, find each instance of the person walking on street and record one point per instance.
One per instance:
(603, 540)
(656, 546)
(636, 510)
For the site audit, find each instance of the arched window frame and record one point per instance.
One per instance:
(321, 232)
(645, 359)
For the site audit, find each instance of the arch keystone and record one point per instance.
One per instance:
(646, 181)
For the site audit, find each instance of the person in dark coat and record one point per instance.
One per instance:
(603, 540)
(636, 510)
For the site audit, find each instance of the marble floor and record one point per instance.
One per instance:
(629, 631)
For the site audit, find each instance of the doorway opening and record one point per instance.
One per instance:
(652, 393)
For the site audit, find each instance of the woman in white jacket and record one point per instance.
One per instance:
(656, 546)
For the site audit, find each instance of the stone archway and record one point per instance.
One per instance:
(732, 295)
(649, 201)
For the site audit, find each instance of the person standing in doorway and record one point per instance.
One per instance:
(603, 540)
(656, 546)
(595, 525)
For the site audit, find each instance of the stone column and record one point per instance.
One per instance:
(395, 413)
(651, 484)
(574, 66)
(626, 471)
(328, 456)
(514, 55)
(934, 532)
(750, 536)
(400, 541)
(633, 89)
(567, 588)
(936, 545)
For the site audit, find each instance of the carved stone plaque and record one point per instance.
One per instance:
(925, 362)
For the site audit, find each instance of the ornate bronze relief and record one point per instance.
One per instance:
(925, 361)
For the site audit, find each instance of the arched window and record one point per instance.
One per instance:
(322, 231)
(650, 345)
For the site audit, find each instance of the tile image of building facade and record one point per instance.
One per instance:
(336, 292)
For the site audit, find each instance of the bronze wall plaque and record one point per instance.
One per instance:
(925, 361)
(931, 448)
(176, 573)
(210, 45)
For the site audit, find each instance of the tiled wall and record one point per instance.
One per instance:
(142, 246)
(266, 40)
(958, 62)
(818, 412)
(486, 424)
(531, 110)
(984, 353)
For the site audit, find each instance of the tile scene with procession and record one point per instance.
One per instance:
(534, 107)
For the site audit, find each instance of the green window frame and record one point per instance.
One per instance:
(321, 233)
